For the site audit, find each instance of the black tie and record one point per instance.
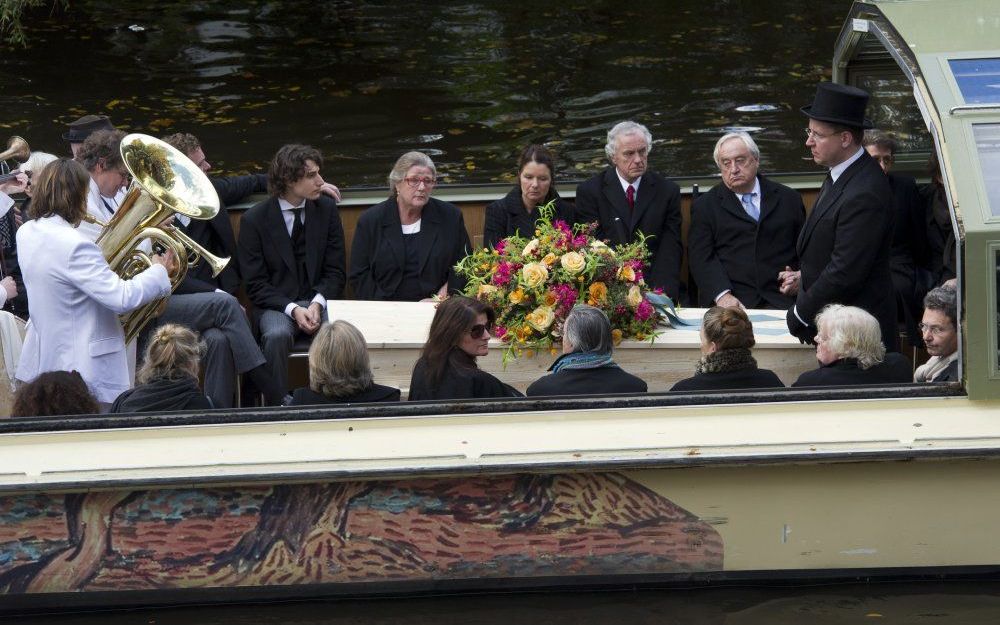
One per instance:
(827, 183)
(296, 224)
(107, 205)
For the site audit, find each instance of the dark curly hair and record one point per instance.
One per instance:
(54, 393)
(289, 165)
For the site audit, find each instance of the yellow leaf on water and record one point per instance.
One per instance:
(112, 104)
(455, 131)
(294, 88)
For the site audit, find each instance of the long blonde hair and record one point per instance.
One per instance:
(174, 352)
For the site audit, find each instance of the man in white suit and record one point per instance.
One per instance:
(75, 298)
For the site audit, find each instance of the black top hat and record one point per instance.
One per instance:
(839, 104)
(85, 126)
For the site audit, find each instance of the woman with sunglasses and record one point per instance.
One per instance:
(405, 247)
(460, 332)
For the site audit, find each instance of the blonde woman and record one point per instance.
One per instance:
(168, 379)
(339, 370)
(850, 351)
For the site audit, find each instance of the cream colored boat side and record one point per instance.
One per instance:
(505, 442)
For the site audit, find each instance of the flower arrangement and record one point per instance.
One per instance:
(532, 284)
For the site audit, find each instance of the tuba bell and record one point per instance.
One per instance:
(164, 182)
(17, 149)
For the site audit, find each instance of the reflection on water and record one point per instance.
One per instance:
(882, 604)
(469, 82)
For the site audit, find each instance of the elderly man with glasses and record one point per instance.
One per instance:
(844, 245)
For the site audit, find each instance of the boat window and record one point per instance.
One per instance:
(987, 138)
(977, 79)
(893, 109)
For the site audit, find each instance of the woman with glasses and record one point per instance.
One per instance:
(850, 351)
(517, 212)
(168, 378)
(405, 247)
(460, 333)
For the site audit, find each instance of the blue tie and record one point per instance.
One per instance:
(749, 207)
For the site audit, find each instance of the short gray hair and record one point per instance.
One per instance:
(37, 162)
(405, 162)
(742, 136)
(945, 300)
(627, 128)
(852, 332)
(588, 330)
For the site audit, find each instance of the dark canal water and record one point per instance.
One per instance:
(882, 604)
(469, 82)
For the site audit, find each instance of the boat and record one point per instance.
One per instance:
(679, 489)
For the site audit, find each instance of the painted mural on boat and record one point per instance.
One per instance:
(429, 529)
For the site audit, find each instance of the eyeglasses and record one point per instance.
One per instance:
(477, 331)
(815, 136)
(935, 330)
(415, 182)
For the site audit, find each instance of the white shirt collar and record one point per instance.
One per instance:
(626, 184)
(285, 205)
(756, 192)
(837, 170)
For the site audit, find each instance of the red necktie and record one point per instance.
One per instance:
(630, 196)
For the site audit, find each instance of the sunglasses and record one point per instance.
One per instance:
(479, 330)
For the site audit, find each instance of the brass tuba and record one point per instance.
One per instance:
(164, 182)
(17, 149)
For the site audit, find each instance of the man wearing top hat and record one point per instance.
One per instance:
(78, 131)
(845, 244)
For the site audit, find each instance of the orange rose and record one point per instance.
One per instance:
(598, 293)
(616, 336)
(516, 296)
(550, 259)
(626, 273)
(549, 299)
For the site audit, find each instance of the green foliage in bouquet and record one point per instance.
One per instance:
(532, 284)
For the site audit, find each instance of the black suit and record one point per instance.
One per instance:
(844, 250)
(895, 369)
(271, 271)
(657, 214)
(506, 216)
(267, 260)
(216, 235)
(909, 242)
(729, 250)
(378, 257)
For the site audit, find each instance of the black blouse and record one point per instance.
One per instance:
(507, 216)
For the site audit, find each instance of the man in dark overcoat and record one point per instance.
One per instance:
(626, 199)
(743, 231)
(845, 244)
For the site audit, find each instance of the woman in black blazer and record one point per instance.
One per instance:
(517, 212)
(339, 370)
(460, 332)
(405, 248)
(726, 364)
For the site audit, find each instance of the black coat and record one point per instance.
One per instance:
(730, 380)
(844, 250)
(657, 215)
(909, 242)
(378, 257)
(267, 260)
(307, 397)
(19, 305)
(895, 369)
(216, 235)
(939, 260)
(727, 249)
(507, 216)
(457, 383)
(162, 395)
(597, 381)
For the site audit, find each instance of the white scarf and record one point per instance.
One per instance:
(933, 367)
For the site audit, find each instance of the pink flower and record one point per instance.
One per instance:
(499, 332)
(644, 311)
(501, 246)
(561, 225)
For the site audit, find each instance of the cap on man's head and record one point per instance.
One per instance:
(839, 104)
(85, 126)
